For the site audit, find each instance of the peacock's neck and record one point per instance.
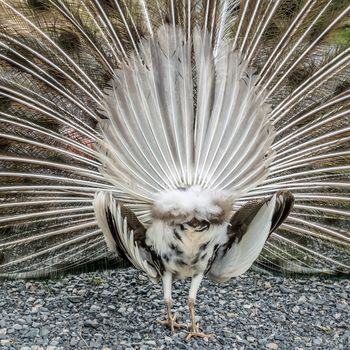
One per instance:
(193, 206)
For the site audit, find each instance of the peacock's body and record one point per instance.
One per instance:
(176, 129)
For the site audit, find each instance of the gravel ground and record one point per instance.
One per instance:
(118, 309)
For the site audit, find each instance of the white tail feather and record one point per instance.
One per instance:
(159, 138)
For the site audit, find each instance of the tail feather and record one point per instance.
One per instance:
(240, 130)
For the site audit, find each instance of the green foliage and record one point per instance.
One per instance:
(341, 36)
(97, 281)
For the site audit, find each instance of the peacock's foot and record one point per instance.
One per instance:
(172, 324)
(196, 333)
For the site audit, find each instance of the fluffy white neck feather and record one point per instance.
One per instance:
(181, 205)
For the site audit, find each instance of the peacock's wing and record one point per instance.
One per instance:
(124, 234)
(247, 233)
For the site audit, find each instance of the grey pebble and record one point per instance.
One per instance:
(74, 341)
(55, 342)
(136, 336)
(302, 299)
(17, 327)
(122, 310)
(44, 331)
(317, 341)
(95, 308)
(91, 323)
(296, 309)
(75, 299)
(32, 333)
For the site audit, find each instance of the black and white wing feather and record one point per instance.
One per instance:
(249, 229)
(123, 233)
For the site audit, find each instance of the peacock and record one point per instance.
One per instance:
(191, 138)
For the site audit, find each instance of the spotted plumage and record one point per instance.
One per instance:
(190, 247)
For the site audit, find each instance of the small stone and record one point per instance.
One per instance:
(74, 341)
(95, 344)
(44, 331)
(82, 292)
(75, 299)
(122, 310)
(95, 308)
(346, 336)
(317, 341)
(17, 327)
(32, 333)
(272, 346)
(296, 309)
(262, 341)
(150, 343)
(251, 339)
(302, 299)
(55, 342)
(3, 331)
(105, 293)
(36, 308)
(91, 323)
(285, 290)
(136, 336)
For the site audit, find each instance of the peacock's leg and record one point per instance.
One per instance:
(171, 319)
(195, 332)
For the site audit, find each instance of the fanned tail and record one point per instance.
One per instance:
(206, 120)
(159, 136)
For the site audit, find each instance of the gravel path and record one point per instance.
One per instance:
(117, 310)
